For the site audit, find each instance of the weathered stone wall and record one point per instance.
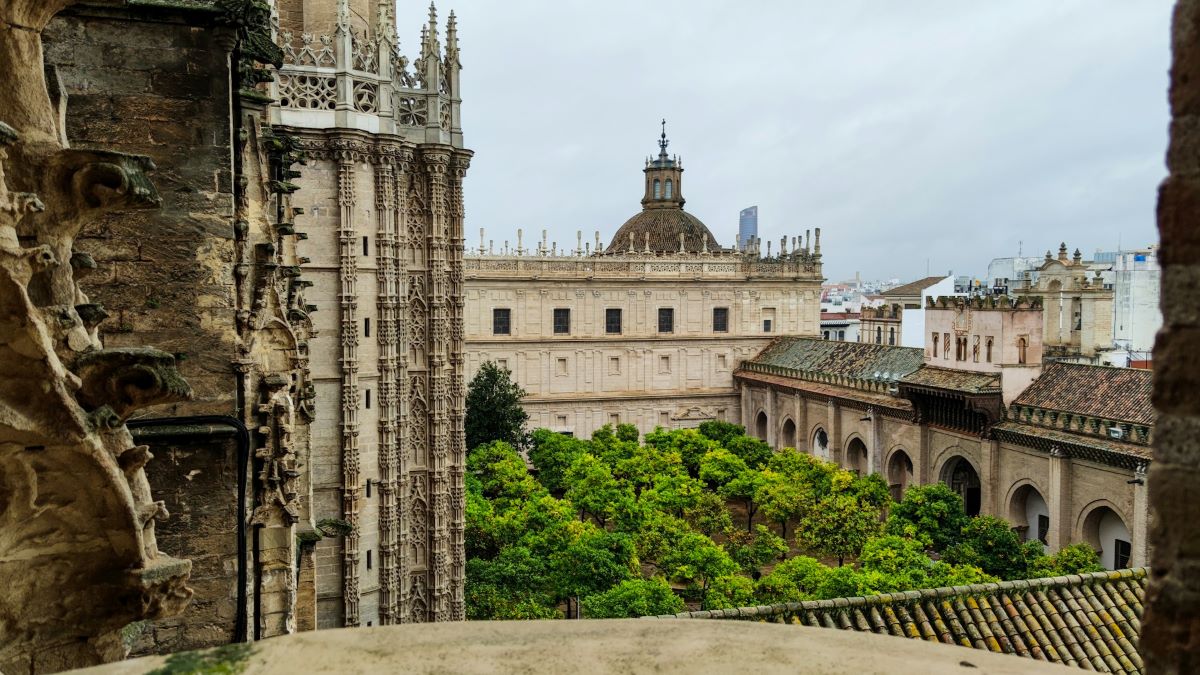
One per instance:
(196, 475)
(1171, 633)
(164, 276)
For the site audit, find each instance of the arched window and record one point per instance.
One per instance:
(989, 350)
(670, 189)
(1021, 348)
(879, 335)
(891, 336)
(657, 189)
(935, 344)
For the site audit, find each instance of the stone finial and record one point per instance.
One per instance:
(544, 238)
(1078, 257)
(783, 246)
(704, 245)
(1062, 251)
(520, 239)
(1049, 256)
(481, 240)
(647, 242)
(768, 247)
(599, 247)
(807, 241)
(578, 242)
(631, 249)
(491, 247)
(681, 241)
(817, 240)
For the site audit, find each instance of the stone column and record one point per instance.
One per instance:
(772, 423)
(1141, 517)
(925, 459)
(306, 588)
(989, 481)
(874, 453)
(835, 432)
(1058, 501)
(803, 443)
(747, 391)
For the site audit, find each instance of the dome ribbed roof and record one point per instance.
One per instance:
(664, 227)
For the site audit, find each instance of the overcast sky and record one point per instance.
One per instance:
(928, 132)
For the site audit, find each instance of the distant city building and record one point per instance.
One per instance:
(1078, 306)
(747, 226)
(909, 322)
(1004, 274)
(646, 330)
(840, 326)
(1136, 314)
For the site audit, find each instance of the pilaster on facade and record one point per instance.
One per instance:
(348, 307)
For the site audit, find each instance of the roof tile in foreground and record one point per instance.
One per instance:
(1090, 621)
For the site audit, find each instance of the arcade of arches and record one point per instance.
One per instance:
(1046, 496)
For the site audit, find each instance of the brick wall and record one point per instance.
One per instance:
(1171, 632)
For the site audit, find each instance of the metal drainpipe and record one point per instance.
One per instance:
(209, 426)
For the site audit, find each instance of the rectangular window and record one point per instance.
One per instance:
(664, 419)
(1122, 551)
(366, 246)
(1043, 529)
(562, 321)
(367, 327)
(766, 325)
(561, 420)
(721, 414)
(614, 365)
(722, 362)
(561, 367)
(720, 319)
(368, 489)
(367, 396)
(666, 320)
(501, 321)
(612, 321)
(768, 315)
(368, 558)
(502, 364)
(614, 418)
(664, 364)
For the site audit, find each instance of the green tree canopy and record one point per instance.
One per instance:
(552, 454)
(633, 598)
(720, 466)
(990, 544)
(494, 411)
(932, 514)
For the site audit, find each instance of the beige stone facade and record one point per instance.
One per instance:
(1077, 305)
(919, 424)
(381, 222)
(647, 333)
(987, 335)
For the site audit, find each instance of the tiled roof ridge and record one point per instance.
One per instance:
(1100, 365)
(943, 592)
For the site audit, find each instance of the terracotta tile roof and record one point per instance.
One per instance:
(1121, 394)
(853, 360)
(913, 288)
(664, 227)
(957, 380)
(1090, 621)
(829, 390)
(1087, 446)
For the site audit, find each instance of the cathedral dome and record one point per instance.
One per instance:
(662, 222)
(663, 227)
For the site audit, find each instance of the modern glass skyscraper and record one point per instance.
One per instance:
(747, 225)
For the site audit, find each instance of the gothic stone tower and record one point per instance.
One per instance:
(382, 242)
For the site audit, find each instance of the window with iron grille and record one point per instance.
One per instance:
(501, 319)
(720, 319)
(612, 321)
(562, 321)
(666, 320)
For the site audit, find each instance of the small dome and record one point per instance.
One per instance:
(664, 227)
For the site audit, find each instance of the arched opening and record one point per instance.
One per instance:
(899, 473)
(1022, 348)
(657, 189)
(1029, 513)
(935, 345)
(989, 350)
(962, 478)
(787, 437)
(856, 456)
(879, 335)
(670, 189)
(1107, 533)
(760, 426)
(892, 336)
(820, 444)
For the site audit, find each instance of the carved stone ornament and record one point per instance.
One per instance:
(77, 544)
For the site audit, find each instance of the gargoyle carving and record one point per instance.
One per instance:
(77, 541)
